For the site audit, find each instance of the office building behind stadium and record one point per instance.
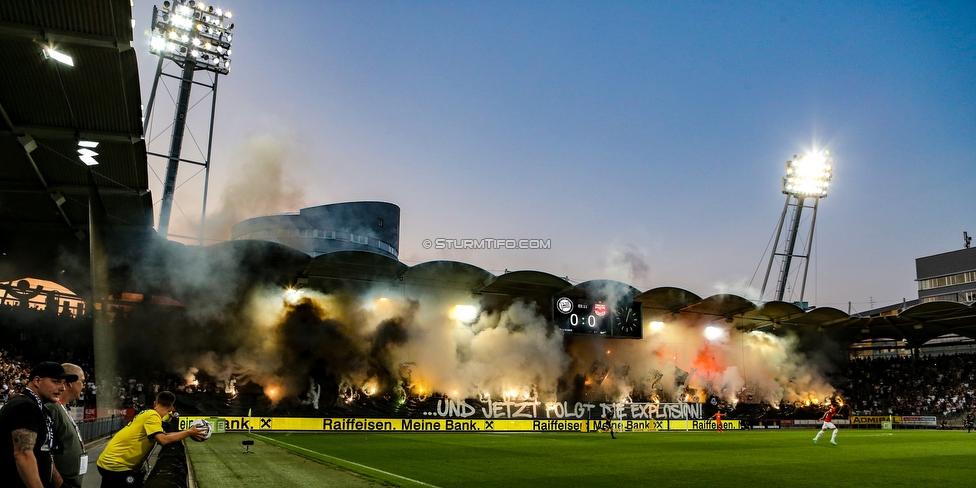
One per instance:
(949, 277)
(944, 280)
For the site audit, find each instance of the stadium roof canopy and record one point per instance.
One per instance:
(915, 325)
(446, 274)
(48, 107)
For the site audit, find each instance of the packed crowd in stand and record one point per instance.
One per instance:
(13, 374)
(14, 369)
(29, 335)
(131, 393)
(944, 385)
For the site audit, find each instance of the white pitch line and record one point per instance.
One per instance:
(273, 441)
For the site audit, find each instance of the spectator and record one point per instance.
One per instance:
(943, 386)
(121, 462)
(72, 461)
(26, 460)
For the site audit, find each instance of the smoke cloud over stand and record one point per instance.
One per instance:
(251, 333)
(259, 184)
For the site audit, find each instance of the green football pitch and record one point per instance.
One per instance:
(694, 459)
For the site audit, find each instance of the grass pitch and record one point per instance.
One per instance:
(693, 459)
(221, 462)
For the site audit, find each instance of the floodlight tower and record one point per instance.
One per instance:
(806, 178)
(195, 37)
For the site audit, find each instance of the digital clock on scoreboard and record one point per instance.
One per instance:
(581, 315)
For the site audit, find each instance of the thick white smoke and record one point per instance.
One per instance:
(403, 345)
(259, 184)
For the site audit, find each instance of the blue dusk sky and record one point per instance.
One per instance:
(646, 141)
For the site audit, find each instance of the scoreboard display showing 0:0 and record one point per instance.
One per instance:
(592, 316)
(574, 321)
(581, 315)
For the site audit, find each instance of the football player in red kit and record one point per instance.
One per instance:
(718, 421)
(827, 424)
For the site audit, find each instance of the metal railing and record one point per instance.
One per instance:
(98, 428)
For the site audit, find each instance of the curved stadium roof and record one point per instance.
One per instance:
(916, 325)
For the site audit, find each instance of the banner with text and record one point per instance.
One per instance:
(97, 413)
(925, 421)
(447, 408)
(452, 425)
(662, 425)
(874, 419)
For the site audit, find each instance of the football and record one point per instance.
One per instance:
(205, 425)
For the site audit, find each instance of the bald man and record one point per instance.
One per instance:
(72, 461)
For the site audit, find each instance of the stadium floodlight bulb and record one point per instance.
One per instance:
(292, 296)
(157, 43)
(464, 313)
(713, 333)
(51, 53)
(808, 175)
(181, 22)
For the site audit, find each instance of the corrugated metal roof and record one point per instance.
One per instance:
(106, 19)
(56, 105)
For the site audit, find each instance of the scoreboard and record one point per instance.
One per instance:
(585, 315)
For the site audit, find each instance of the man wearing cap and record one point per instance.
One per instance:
(26, 430)
(72, 460)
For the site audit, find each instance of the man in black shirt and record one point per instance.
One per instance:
(609, 424)
(969, 422)
(26, 439)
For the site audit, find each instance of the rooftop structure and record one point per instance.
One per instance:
(351, 226)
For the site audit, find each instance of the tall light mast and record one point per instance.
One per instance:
(806, 179)
(195, 37)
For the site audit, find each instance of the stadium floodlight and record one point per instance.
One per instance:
(713, 333)
(196, 37)
(808, 175)
(189, 31)
(464, 313)
(51, 53)
(292, 296)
